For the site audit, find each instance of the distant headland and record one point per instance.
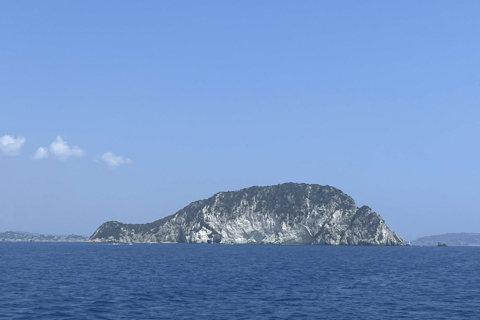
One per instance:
(451, 239)
(14, 236)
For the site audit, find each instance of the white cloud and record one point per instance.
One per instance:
(113, 160)
(63, 151)
(11, 146)
(42, 153)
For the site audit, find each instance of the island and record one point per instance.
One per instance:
(289, 214)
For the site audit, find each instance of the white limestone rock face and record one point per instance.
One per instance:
(288, 213)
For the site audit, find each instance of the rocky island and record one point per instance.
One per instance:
(289, 213)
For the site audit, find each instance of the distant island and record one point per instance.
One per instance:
(451, 239)
(11, 236)
(289, 213)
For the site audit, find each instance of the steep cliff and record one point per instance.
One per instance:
(288, 213)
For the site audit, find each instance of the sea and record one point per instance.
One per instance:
(214, 281)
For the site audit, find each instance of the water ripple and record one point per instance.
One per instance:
(164, 281)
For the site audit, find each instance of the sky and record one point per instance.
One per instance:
(129, 111)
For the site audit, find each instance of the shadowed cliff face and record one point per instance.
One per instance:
(289, 213)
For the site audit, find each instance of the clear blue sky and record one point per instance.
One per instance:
(380, 99)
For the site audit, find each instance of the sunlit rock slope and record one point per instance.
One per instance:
(289, 213)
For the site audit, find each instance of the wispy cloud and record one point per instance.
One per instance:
(41, 153)
(11, 146)
(113, 160)
(63, 151)
(59, 149)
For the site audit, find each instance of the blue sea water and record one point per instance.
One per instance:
(195, 281)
